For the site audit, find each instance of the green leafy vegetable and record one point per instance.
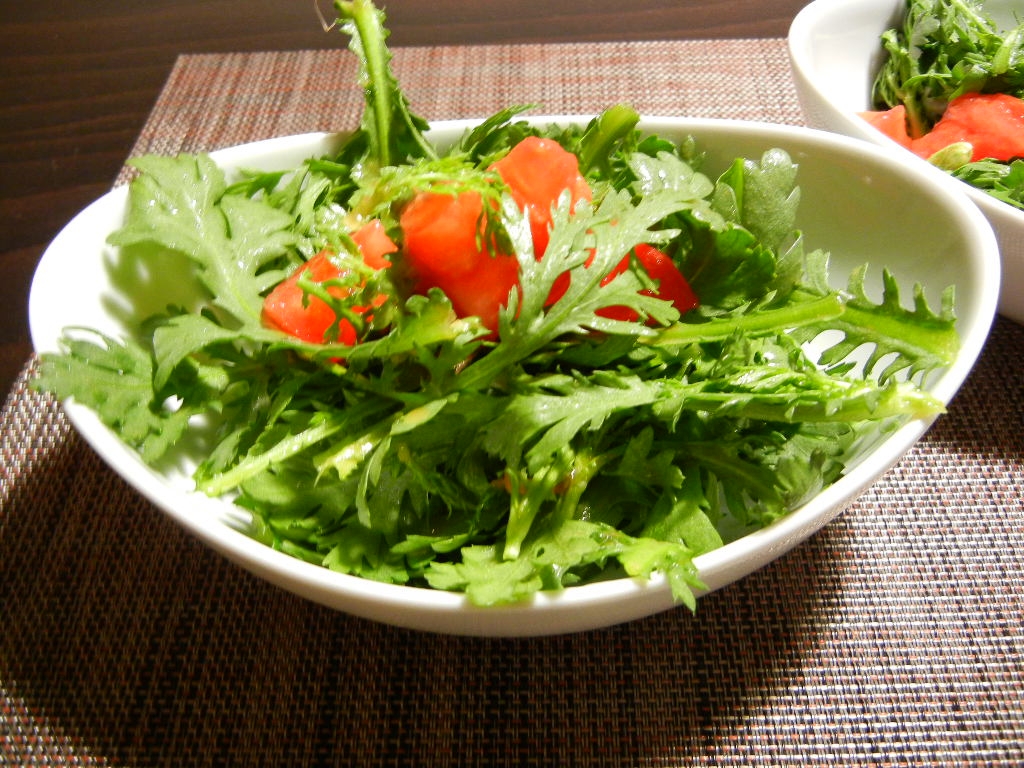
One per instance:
(1004, 181)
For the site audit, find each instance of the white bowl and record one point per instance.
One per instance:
(849, 195)
(835, 50)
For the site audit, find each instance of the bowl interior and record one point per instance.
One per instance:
(870, 210)
(860, 204)
(837, 45)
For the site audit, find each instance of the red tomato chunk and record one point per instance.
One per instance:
(992, 123)
(537, 171)
(309, 318)
(444, 243)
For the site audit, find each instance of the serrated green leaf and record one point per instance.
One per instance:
(115, 379)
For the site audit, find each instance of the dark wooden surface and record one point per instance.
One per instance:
(77, 80)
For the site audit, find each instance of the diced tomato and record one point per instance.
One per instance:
(289, 309)
(444, 241)
(891, 122)
(672, 286)
(284, 309)
(374, 244)
(537, 171)
(993, 123)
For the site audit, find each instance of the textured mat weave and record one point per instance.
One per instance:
(895, 636)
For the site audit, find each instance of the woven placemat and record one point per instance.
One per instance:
(895, 636)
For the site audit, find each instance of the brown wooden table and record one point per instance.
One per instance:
(77, 81)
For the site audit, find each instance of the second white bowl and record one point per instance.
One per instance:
(835, 50)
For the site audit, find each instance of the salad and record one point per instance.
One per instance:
(951, 90)
(541, 356)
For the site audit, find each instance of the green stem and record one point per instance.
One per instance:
(855, 402)
(595, 145)
(764, 321)
(285, 449)
(370, 34)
